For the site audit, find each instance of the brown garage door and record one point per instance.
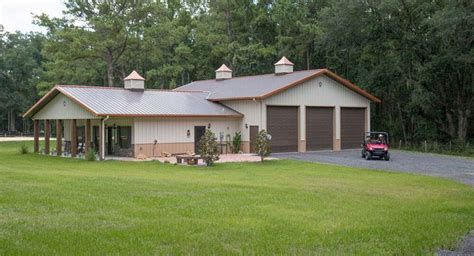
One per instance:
(352, 127)
(319, 128)
(282, 125)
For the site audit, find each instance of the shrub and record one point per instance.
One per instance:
(262, 145)
(236, 142)
(24, 149)
(91, 155)
(209, 148)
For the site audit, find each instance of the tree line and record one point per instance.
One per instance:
(416, 55)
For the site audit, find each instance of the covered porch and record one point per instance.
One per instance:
(107, 137)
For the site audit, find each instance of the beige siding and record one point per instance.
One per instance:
(174, 130)
(321, 91)
(330, 93)
(252, 115)
(61, 107)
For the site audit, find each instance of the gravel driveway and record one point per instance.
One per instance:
(457, 168)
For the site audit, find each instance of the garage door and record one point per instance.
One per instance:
(319, 128)
(282, 125)
(352, 127)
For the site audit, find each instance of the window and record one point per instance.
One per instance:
(125, 136)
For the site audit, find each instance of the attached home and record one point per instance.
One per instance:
(302, 110)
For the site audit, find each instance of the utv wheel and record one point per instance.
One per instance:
(386, 157)
(368, 155)
(362, 154)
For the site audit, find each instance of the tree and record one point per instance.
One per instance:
(209, 148)
(262, 144)
(93, 41)
(20, 69)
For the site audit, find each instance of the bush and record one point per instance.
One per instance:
(91, 155)
(24, 149)
(209, 148)
(236, 142)
(262, 145)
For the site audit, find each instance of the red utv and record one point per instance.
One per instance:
(375, 144)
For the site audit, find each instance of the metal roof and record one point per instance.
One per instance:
(284, 61)
(262, 86)
(224, 68)
(134, 76)
(111, 101)
(246, 86)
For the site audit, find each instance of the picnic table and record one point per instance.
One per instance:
(190, 159)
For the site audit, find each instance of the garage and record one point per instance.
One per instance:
(352, 127)
(282, 125)
(319, 128)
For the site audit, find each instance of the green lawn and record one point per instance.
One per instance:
(50, 205)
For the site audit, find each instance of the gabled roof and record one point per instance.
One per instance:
(264, 86)
(134, 76)
(284, 61)
(224, 68)
(120, 102)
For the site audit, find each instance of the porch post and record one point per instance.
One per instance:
(47, 135)
(101, 140)
(59, 136)
(74, 138)
(36, 129)
(87, 136)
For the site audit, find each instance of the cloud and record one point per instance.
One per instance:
(18, 14)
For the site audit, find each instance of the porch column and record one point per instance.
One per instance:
(74, 138)
(36, 130)
(101, 140)
(87, 136)
(47, 135)
(59, 136)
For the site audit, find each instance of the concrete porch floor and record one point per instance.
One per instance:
(227, 158)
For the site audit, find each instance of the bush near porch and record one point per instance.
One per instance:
(51, 205)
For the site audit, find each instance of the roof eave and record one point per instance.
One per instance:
(168, 115)
(327, 72)
(49, 96)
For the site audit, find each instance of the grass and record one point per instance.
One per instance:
(51, 205)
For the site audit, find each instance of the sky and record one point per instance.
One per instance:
(17, 14)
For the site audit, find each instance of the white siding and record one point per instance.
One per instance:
(61, 107)
(174, 130)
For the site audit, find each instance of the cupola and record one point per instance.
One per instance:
(283, 66)
(223, 73)
(134, 81)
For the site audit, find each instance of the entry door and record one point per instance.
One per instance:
(253, 137)
(198, 132)
(95, 138)
(110, 140)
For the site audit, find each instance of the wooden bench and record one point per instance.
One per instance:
(191, 160)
